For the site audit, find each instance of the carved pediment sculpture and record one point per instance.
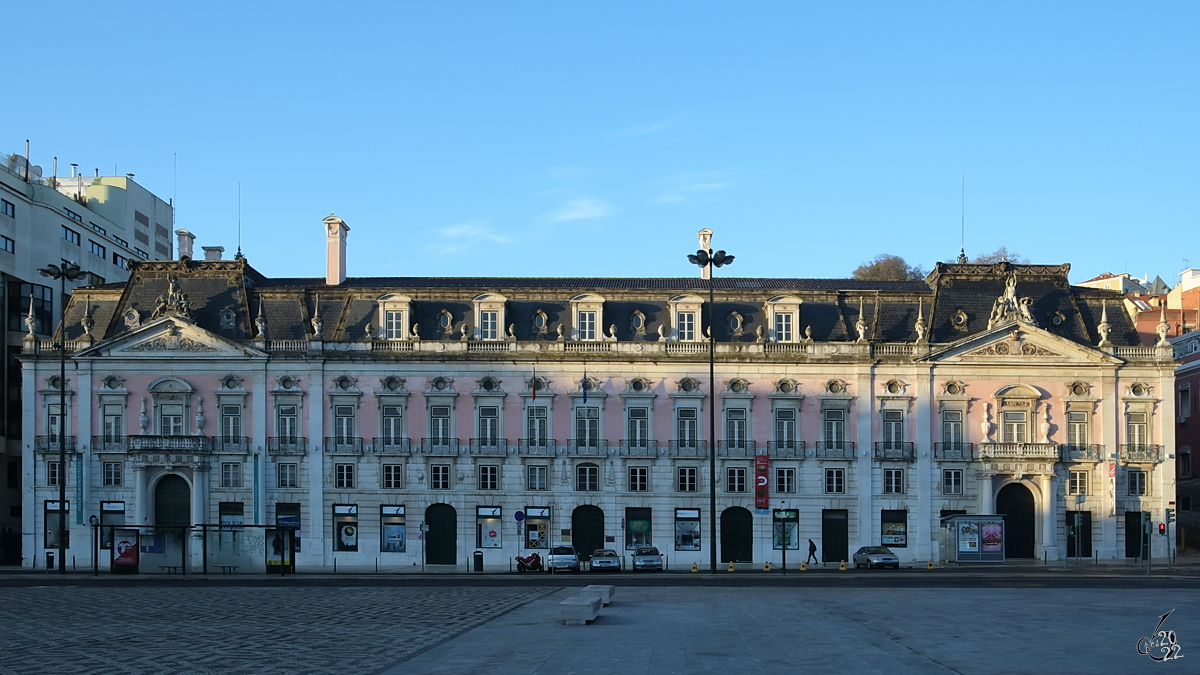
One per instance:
(1008, 307)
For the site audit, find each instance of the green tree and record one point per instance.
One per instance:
(888, 267)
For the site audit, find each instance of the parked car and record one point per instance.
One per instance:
(647, 558)
(875, 556)
(605, 559)
(563, 558)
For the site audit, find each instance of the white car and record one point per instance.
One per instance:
(562, 558)
(875, 556)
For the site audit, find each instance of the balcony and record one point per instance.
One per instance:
(110, 444)
(954, 451)
(687, 448)
(835, 450)
(641, 447)
(786, 449)
(489, 447)
(231, 444)
(742, 449)
(441, 446)
(536, 447)
(343, 445)
(1042, 451)
(169, 443)
(286, 445)
(587, 447)
(54, 443)
(1081, 453)
(391, 445)
(896, 451)
(1140, 453)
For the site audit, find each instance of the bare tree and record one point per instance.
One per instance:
(888, 267)
(999, 255)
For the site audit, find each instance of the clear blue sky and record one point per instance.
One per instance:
(539, 139)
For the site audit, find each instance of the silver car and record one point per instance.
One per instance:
(562, 558)
(606, 560)
(875, 556)
(647, 558)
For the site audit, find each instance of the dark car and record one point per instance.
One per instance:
(647, 558)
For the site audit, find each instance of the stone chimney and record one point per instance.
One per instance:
(335, 250)
(186, 240)
(213, 252)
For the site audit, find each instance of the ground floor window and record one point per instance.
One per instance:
(952, 482)
(687, 529)
(392, 533)
(288, 515)
(637, 528)
(345, 527)
(893, 527)
(537, 527)
(488, 526)
(112, 515)
(233, 516)
(785, 529)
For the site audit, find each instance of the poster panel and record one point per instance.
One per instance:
(125, 548)
(762, 482)
(968, 537)
(992, 535)
(394, 537)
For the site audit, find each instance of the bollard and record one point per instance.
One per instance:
(730, 565)
(766, 565)
(842, 566)
(695, 567)
(804, 566)
(930, 564)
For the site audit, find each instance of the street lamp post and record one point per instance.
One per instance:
(707, 260)
(67, 271)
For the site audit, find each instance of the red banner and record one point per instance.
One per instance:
(762, 482)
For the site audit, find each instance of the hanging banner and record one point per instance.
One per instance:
(79, 489)
(762, 489)
(1112, 488)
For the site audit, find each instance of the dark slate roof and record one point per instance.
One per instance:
(690, 284)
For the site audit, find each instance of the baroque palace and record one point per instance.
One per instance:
(405, 422)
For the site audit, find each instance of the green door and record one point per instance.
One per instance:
(441, 541)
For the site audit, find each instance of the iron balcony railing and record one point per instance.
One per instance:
(286, 445)
(639, 447)
(343, 445)
(536, 447)
(110, 443)
(170, 443)
(903, 451)
(489, 446)
(54, 443)
(239, 444)
(786, 449)
(441, 446)
(1048, 451)
(954, 450)
(687, 448)
(1140, 453)
(737, 449)
(587, 447)
(390, 445)
(1081, 453)
(835, 450)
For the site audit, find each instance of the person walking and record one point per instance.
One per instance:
(812, 552)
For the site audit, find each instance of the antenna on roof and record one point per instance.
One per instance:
(962, 227)
(239, 251)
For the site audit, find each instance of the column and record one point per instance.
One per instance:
(141, 514)
(865, 413)
(1049, 516)
(986, 500)
(925, 522)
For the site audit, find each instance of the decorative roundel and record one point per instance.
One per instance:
(391, 384)
(439, 384)
(687, 385)
(893, 387)
(835, 387)
(488, 384)
(1079, 389)
(1138, 389)
(287, 383)
(959, 320)
(785, 387)
(343, 382)
(638, 384)
(954, 388)
(737, 386)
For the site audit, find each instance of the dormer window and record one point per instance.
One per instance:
(489, 316)
(685, 312)
(393, 315)
(587, 310)
(783, 315)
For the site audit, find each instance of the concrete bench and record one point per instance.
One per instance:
(603, 591)
(579, 609)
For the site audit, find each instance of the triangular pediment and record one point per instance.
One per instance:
(1018, 343)
(173, 336)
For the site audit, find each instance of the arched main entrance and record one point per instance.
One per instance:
(587, 529)
(737, 535)
(1015, 503)
(172, 502)
(441, 541)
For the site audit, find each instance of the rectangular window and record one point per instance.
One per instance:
(343, 476)
(343, 423)
(289, 475)
(835, 481)
(687, 427)
(1015, 427)
(97, 248)
(1077, 428)
(785, 480)
(735, 427)
(72, 215)
(54, 422)
(97, 228)
(231, 474)
(1137, 483)
(1136, 430)
(393, 325)
(393, 424)
(638, 528)
(893, 481)
(735, 480)
(231, 423)
(141, 253)
(687, 529)
(893, 428)
(952, 427)
(489, 426)
(439, 424)
(14, 475)
(688, 478)
(687, 326)
(287, 422)
(537, 427)
(170, 419)
(785, 428)
(893, 526)
(639, 479)
(345, 527)
(439, 477)
(637, 432)
(1078, 483)
(393, 476)
(587, 477)
(70, 235)
(120, 241)
(8, 244)
(1185, 464)
(392, 533)
(835, 427)
(112, 473)
(587, 427)
(52, 473)
(587, 325)
(489, 325)
(1183, 407)
(112, 516)
(114, 422)
(56, 523)
(288, 515)
(8, 208)
(232, 516)
(119, 260)
(42, 297)
(489, 477)
(536, 477)
(783, 327)
(952, 482)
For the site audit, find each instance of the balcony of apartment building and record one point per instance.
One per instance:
(1070, 452)
(169, 443)
(231, 444)
(786, 449)
(287, 445)
(737, 448)
(491, 446)
(343, 445)
(895, 451)
(1019, 451)
(1140, 453)
(587, 447)
(638, 447)
(837, 449)
(397, 446)
(954, 451)
(439, 446)
(687, 447)
(53, 443)
(536, 447)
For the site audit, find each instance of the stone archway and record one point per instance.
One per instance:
(172, 502)
(1015, 502)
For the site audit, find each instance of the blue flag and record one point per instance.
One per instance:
(584, 384)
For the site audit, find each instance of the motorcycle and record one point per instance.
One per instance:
(530, 563)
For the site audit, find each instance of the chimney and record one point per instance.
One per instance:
(213, 252)
(186, 240)
(335, 250)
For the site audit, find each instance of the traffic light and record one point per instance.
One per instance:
(1170, 516)
(1162, 529)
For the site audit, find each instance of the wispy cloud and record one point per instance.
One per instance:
(646, 128)
(464, 236)
(581, 209)
(684, 189)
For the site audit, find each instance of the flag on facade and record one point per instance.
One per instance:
(584, 385)
(533, 383)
